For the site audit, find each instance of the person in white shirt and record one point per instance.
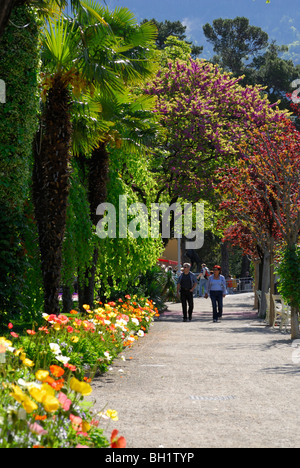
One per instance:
(216, 289)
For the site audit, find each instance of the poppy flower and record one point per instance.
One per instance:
(57, 371)
(10, 326)
(64, 401)
(115, 441)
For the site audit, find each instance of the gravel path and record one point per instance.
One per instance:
(203, 384)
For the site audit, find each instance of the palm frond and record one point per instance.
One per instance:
(57, 50)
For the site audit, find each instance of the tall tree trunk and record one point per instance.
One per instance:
(295, 333)
(51, 187)
(256, 283)
(67, 299)
(97, 193)
(265, 284)
(272, 281)
(245, 266)
(225, 258)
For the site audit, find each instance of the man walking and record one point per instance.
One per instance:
(186, 284)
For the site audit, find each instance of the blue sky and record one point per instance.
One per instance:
(280, 19)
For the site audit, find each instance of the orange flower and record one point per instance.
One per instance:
(58, 384)
(37, 417)
(57, 371)
(73, 312)
(76, 422)
(31, 332)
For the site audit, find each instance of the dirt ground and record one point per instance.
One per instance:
(206, 385)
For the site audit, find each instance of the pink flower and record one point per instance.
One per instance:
(64, 401)
(37, 429)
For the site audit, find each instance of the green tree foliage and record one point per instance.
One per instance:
(234, 41)
(176, 29)
(122, 260)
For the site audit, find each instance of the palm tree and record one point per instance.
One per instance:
(78, 54)
(131, 126)
(133, 61)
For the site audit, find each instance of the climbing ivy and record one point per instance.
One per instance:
(19, 65)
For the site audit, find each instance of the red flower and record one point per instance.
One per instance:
(71, 367)
(15, 335)
(115, 441)
(10, 326)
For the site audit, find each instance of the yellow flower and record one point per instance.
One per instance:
(74, 339)
(42, 375)
(27, 362)
(17, 393)
(85, 426)
(57, 326)
(37, 393)
(80, 387)
(5, 342)
(112, 414)
(41, 394)
(29, 405)
(49, 390)
(51, 403)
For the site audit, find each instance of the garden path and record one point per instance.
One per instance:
(201, 384)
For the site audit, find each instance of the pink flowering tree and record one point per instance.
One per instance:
(205, 114)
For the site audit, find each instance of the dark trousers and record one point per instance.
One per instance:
(217, 304)
(187, 297)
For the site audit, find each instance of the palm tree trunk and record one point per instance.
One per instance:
(51, 187)
(97, 193)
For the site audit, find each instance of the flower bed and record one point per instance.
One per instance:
(46, 373)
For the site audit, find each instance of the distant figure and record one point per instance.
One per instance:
(229, 282)
(186, 284)
(203, 275)
(216, 289)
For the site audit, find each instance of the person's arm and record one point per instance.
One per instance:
(195, 283)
